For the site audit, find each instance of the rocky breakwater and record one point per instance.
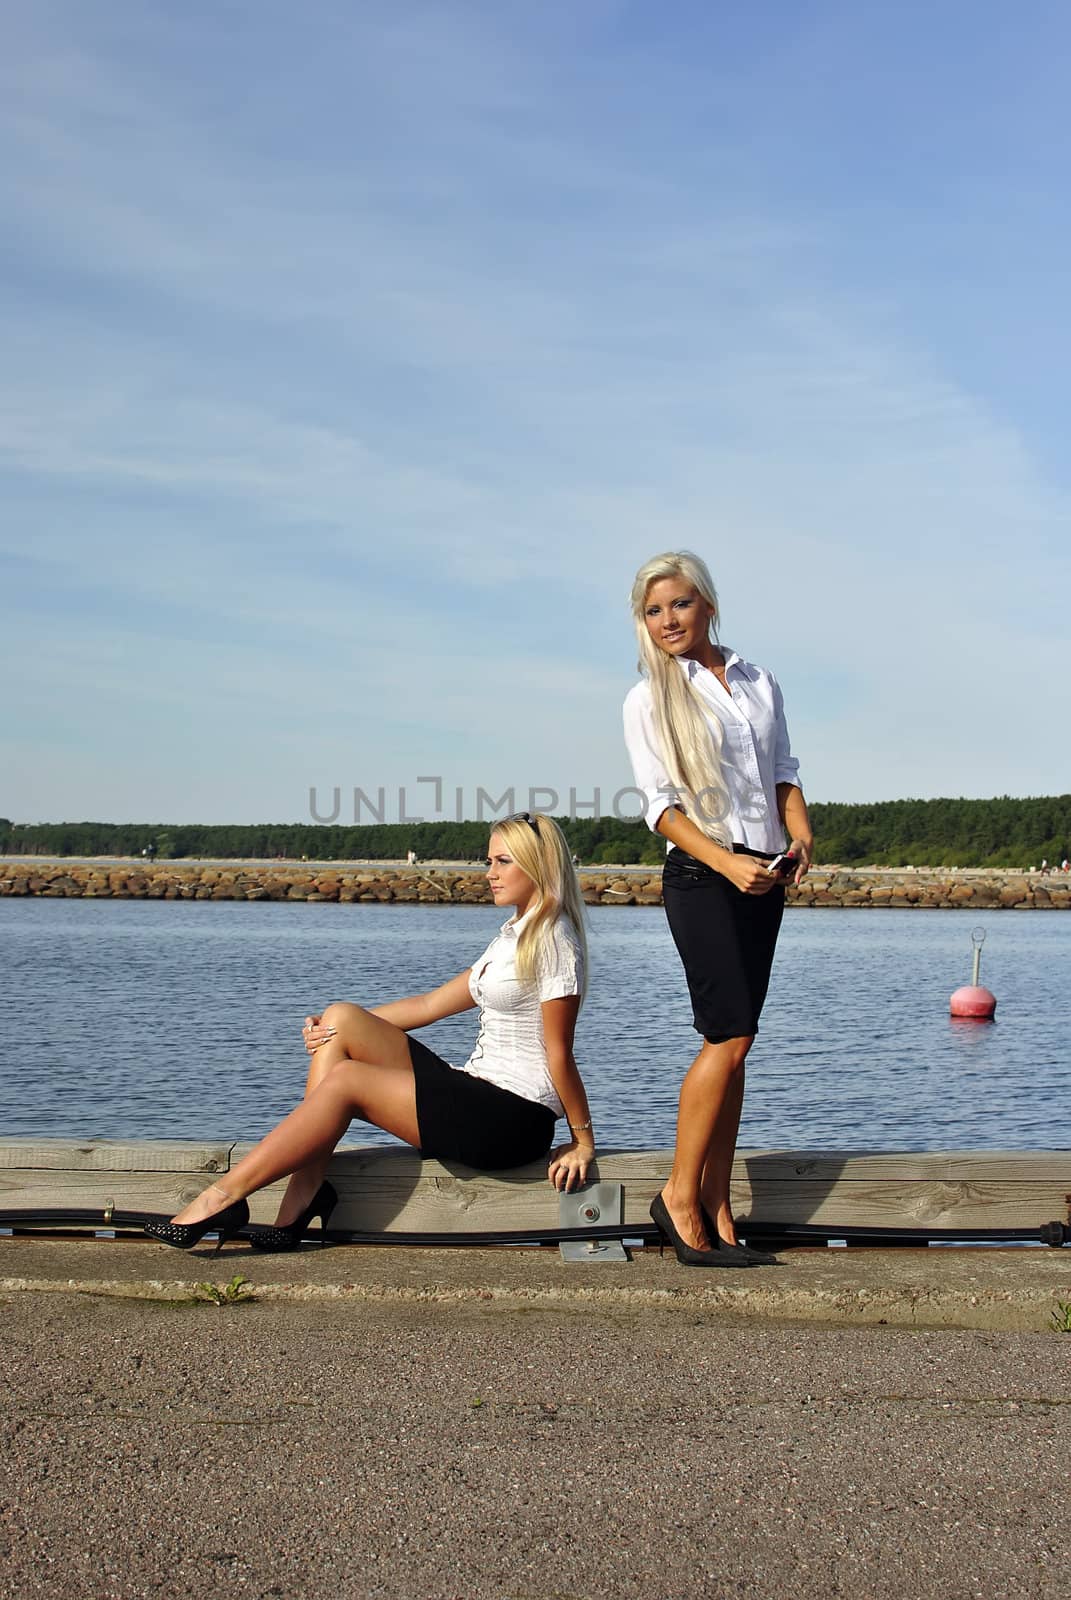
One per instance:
(193, 880)
(247, 880)
(973, 890)
(968, 890)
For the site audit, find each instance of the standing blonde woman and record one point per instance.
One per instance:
(496, 1111)
(709, 747)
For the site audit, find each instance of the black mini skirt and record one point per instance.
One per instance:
(726, 941)
(467, 1119)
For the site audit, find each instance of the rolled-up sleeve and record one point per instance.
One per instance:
(786, 767)
(561, 967)
(644, 752)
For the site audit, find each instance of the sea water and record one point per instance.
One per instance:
(162, 1019)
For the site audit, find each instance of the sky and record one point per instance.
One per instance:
(354, 356)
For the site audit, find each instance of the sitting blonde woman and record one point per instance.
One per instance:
(498, 1110)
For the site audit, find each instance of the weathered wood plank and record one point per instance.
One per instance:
(817, 1166)
(161, 1192)
(457, 1205)
(178, 1155)
(924, 1166)
(893, 1205)
(469, 1207)
(117, 1155)
(396, 1198)
(392, 1190)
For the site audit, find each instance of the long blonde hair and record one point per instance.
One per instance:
(539, 848)
(691, 744)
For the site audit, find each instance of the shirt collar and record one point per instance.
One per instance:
(691, 666)
(515, 924)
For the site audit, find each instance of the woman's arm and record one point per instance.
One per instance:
(662, 816)
(569, 1162)
(416, 1012)
(446, 1001)
(794, 815)
(746, 872)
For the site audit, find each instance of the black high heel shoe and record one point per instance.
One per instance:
(289, 1237)
(184, 1235)
(744, 1255)
(687, 1254)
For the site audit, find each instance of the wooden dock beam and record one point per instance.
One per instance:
(390, 1190)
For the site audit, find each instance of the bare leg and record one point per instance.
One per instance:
(370, 1077)
(717, 1171)
(708, 1117)
(307, 1179)
(359, 1036)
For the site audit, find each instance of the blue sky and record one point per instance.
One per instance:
(354, 356)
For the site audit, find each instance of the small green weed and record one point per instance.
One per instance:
(1061, 1317)
(239, 1292)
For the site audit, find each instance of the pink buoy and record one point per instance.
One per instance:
(973, 1001)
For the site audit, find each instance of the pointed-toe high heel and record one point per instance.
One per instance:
(687, 1254)
(184, 1235)
(744, 1255)
(289, 1237)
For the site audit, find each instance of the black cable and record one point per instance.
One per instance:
(1054, 1234)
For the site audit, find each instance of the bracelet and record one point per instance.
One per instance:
(580, 1127)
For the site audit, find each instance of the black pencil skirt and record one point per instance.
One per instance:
(726, 941)
(467, 1119)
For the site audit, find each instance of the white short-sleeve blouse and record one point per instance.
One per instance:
(510, 1049)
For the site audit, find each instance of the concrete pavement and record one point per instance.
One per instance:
(424, 1441)
(1013, 1289)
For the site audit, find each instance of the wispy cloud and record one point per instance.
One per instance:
(371, 357)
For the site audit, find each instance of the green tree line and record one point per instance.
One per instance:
(999, 832)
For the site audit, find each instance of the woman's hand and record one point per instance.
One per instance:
(569, 1165)
(802, 852)
(747, 873)
(314, 1034)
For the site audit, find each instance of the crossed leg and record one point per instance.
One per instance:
(358, 1036)
(364, 1071)
(708, 1120)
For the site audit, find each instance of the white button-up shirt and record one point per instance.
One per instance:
(755, 752)
(510, 1050)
